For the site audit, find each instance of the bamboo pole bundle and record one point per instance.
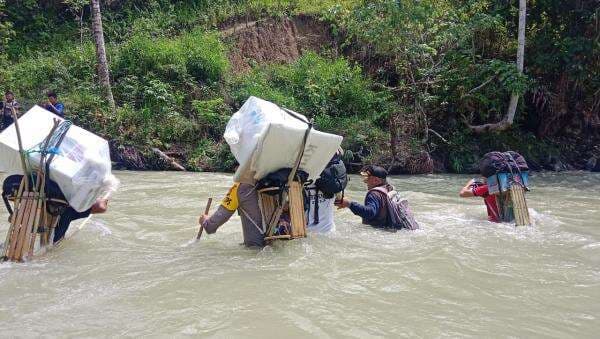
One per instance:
(505, 207)
(521, 213)
(12, 220)
(297, 215)
(268, 205)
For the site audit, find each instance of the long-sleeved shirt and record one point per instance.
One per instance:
(243, 198)
(370, 209)
(374, 211)
(58, 109)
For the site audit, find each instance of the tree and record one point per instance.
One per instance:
(5, 28)
(514, 98)
(102, 67)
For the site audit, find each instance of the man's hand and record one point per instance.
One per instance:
(467, 191)
(202, 219)
(344, 203)
(101, 206)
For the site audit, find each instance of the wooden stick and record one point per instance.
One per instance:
(206, 210)
(21, 151)
(12, 219)
(40, 189)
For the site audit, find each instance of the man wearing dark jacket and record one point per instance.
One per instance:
(374, 211)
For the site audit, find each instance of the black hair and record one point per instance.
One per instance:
(7, 92)
(52, 94)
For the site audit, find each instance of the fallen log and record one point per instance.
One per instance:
(168, 159)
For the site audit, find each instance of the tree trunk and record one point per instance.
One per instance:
(514, 99)
(102, 66)
(393, 137)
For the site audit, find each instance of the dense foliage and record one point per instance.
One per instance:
(407, 78)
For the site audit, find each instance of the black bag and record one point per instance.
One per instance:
(10, 188)
(279, 178)
(399, 214)
(496, 162)
(334, 178)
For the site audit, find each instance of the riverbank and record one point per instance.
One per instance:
(132, 158)
(403, 84)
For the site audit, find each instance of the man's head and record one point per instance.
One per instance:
(52, 97)
(9, 96)
(374, 176)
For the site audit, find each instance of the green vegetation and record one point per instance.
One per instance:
(405, 77)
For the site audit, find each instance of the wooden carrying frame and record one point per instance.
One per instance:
(512, 205)
(271, 206)
(30, 215)
(271, 211)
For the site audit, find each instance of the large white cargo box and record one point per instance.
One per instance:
(264, 138)
(81, 168)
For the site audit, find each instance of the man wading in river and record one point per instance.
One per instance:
(383, 207)
(243, 198)
(68, 214)
(478, 188)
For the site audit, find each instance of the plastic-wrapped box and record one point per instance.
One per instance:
(264, 138)
(81, 167)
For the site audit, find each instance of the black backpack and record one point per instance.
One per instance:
(279, 178)
(11, 185)
(496, 162)
(334, 178)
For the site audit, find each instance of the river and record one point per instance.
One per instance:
(134, 271)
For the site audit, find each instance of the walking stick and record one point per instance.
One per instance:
(206, 210)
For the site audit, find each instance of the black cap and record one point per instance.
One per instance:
(375, 171)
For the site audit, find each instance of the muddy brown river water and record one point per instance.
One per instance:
(134, 272)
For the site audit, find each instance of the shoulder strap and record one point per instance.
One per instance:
(379, 189)
(316, 215)
(386, 201)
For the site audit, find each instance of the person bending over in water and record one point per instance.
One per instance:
(67, 213)
(478, 188)
(243, 198)
(70, 215)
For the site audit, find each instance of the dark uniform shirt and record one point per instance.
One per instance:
(68, 216)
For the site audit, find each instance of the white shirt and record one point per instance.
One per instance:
(326, 208)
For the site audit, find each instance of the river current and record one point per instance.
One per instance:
(135, 272)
